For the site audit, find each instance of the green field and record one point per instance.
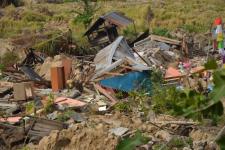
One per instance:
(191, 15)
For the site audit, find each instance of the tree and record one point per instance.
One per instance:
(85, 15)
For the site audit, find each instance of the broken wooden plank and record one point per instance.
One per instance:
(38, 133)
(113, 73)
(104, 92)
(141, 57)
(165, 40)
(42, 127)
(177, 122)
(7, 105)
(6, 84)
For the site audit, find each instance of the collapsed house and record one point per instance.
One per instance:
(117, 67)
(104, 30)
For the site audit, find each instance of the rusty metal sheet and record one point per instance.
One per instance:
(118, 19)
(42, 127)
(112, 17)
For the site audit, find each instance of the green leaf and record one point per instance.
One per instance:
(131, 143)
(219, 81)
(216, 95)
(221, 142)
(211, 64)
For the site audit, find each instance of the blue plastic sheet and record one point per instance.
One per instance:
(129, 82)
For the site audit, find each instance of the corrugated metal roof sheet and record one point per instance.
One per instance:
(113, 17)
(117, 19)
(119, 51)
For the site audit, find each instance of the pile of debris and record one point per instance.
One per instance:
(78, 94)
(159, 51)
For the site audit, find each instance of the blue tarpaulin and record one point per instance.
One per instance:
(129, 82)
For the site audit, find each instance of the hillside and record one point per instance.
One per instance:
(162, 90)
(192, 15)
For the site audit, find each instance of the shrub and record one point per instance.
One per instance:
(161, 31)
(49, 107)
(65, 115)
(29, 107)
(123, 106)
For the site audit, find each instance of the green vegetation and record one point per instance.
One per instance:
(65, 115)
(192, 103)
(2, 67)
(8, 59)
(131, 143)
(30, 107)
(79, 14)
(53, 43)
(123, 106)
(174, 143)
(161, 31)
(178, 142)
(31, 16)
(139, 100)
(85, 16)
(130, 33)
(25, 148)
(221, 142)
(49, 107)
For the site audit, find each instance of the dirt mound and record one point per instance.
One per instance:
(79, 137)
(93, 134)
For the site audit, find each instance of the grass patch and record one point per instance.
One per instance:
(161, 32)
(194, 28)
(9, 58)
(31, 16)
(9, 27)
(173, 14)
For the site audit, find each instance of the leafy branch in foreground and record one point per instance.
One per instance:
(215, 97)
(191, 103)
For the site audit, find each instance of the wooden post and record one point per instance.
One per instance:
(135, 29)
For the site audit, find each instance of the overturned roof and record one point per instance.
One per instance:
(119, 51)
(113, 17)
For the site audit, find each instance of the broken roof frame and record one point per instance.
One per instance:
(119, 51)
(115, 18)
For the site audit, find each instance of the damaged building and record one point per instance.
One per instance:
(105, 29)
